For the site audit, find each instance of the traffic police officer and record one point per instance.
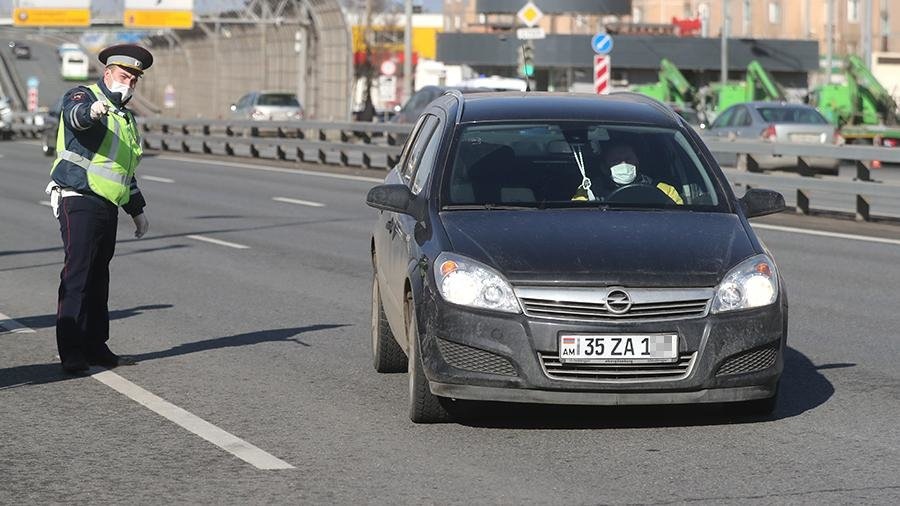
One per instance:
(98, 148)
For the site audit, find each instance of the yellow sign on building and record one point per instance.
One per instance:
(52, 13)
(178, 14)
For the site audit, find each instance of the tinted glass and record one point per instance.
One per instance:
(741, 117)
(426, 162)
(418, 148)
(539, 165)
(279, 99)
(723, 118)
(791, 115)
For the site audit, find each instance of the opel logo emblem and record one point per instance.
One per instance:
(618, 301)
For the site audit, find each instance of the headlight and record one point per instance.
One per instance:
(753, 283)
(464, 281)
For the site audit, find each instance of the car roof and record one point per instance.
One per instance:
(777, 104)
(616, 107)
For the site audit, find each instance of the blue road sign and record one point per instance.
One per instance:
(602, 43)
(33, 82)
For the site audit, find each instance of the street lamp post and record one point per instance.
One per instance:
(407, 52)
(724, 56)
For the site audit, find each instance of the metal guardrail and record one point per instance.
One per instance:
(360, 144)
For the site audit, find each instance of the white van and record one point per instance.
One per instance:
(74, 66)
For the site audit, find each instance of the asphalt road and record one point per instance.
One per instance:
(44, 64)
(271, 343)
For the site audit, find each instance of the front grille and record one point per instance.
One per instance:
(589, 304)
(555, 369)
(474, 359)
(749, 361)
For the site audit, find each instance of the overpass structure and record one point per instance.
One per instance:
(301, 46)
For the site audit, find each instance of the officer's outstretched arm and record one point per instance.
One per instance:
(76, 109)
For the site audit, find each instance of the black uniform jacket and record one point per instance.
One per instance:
(83, 136)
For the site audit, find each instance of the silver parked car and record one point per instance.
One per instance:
(268, 106)
(776, 122)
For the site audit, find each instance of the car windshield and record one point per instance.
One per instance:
(280, 99)
(791, 115)
(577, 164)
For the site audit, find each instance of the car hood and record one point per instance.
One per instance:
(607, 247)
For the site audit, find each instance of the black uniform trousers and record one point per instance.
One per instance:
(88, 227)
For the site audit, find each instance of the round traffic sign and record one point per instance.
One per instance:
(602, 43)
(388, 67)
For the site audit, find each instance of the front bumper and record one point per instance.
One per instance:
(481, 355)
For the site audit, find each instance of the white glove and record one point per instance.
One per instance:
(98, 109)
(141, 225)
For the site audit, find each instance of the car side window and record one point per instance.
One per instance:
(243, 102)
(741, 117)
(407, 146)
(418, 147)
(723, 119)
(427, 161)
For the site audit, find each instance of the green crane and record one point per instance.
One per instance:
(672, 87)
(758, 85)
(863, 109)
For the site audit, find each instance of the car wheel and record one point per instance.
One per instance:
(424, 406)
(387, 355)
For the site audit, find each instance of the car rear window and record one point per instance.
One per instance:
(282, 99)
(791, 115)
(539, 165)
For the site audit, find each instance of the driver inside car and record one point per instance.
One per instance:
(623, 166)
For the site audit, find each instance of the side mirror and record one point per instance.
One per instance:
(762, 202)
(396, 198)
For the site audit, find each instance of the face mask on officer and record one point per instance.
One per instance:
(124, 89)
(623, 173)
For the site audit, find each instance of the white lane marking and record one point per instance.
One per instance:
(157, 179)
(217, 241)
(274, 169)
(45, 203)
(298, 202)
(13, 326)
(822, 233)
(193, 423)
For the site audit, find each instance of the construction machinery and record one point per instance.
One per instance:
(758, 85)
(863, 109)
(672, 87)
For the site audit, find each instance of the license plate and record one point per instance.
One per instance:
(806, 137)
(618, 349)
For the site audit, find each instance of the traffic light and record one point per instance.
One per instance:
(526, 61)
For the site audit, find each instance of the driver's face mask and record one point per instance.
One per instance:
(623, 173)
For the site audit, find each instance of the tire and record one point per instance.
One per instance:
(387, 355)
(424, 406)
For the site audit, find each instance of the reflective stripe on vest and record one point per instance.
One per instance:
(111, 169)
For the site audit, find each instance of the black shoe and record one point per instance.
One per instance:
(76, 366)
(110, 360)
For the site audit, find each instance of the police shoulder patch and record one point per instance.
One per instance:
(78, 96)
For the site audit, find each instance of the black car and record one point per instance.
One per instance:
(419, 100)
(19, 50)
(522, 254)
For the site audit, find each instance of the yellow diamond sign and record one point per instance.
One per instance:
(530, 14)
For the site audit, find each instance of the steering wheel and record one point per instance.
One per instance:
(638, 194)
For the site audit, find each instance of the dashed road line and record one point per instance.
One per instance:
(7, 324)
(225, 440)
(298, 202)
(822, 233)
(217, 241)
(157, 179)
